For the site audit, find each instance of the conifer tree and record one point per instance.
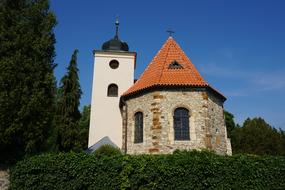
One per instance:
(68, 114)
(27, 83)
(84, 126)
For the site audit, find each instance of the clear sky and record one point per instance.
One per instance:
(238, 46)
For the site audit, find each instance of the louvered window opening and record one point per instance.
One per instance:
(174, 65)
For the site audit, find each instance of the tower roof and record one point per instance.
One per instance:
(115, 44)
(170, 67)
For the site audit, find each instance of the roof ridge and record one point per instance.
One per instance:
(181, 57)
(188, 59)
(163, 66)
(152, 61)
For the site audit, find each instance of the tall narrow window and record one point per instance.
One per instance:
(138, 127)
(181, 124)
(112, 90)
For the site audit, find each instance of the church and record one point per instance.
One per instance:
(170, 106)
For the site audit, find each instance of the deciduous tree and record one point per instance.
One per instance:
(230, 123)
(256, 136)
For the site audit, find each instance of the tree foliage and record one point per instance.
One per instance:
(68, 114)
(255, 136)
(258, 137)
(84, 126)
(230, 123)
(107, 150)
(27, 83)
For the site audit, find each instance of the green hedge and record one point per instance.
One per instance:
(182, 170)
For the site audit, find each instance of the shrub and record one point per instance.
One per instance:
(107, 150)
(66, 171)
(182, 170)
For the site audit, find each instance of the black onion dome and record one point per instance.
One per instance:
(115, 43)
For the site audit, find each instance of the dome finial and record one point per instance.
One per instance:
(117, 27)
(115, 44)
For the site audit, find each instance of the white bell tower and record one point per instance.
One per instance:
(113, 74)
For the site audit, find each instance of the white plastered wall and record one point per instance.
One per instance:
(105, 118)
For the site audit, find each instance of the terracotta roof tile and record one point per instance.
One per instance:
(158, 72)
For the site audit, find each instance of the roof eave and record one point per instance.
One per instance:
(126, 95)
(217, 93)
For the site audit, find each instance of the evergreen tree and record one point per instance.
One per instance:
(84, 126)
(27, 84)
(68, 114)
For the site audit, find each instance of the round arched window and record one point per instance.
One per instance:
(114, 64)
(112, 90)
(181, 124)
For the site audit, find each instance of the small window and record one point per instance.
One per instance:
(114, 64)
(174, 65)
(138, 127)
(181, 124)
(112, 90)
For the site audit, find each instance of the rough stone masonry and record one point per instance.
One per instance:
(4, 180)
(206, 119)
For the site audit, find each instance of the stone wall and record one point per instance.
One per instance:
(206, 121)
(4, 180)
(216, 133)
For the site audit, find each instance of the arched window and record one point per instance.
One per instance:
(112, 90)
(181, 124)
(138, 127)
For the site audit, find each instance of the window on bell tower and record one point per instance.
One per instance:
(112, 90)
(114, 64)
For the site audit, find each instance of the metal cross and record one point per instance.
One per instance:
(170, 31)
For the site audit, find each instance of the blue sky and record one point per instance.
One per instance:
(238, 46)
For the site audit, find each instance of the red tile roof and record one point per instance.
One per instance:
(158, 72)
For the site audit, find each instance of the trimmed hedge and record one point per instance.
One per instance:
(181, 170)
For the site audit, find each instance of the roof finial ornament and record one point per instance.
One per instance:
(170, 32)
(117, 27)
